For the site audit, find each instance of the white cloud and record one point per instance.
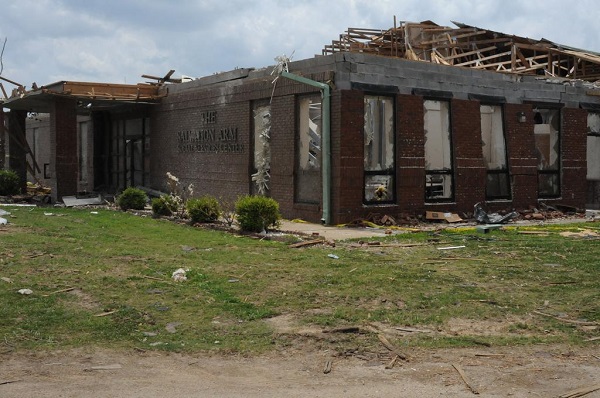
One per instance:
(117, 41)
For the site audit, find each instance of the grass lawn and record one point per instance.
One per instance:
(103, 277)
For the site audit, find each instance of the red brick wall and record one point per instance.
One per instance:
(522, 162)
(574, 157)
(410, 150)
(227, 175)
(470, 171)
(348, 156)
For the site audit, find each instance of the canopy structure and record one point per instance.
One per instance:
(98, 95)
(472, 47)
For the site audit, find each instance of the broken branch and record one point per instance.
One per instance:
(464, 378)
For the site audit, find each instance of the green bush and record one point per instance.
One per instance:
(164, 206)
(204, 209)
(132, 198)
(10, 183)
(257, 213)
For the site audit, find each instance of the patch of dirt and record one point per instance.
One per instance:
(544, 371)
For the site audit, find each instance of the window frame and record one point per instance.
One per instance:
(440, 172)
(383, 172)
(497, 172)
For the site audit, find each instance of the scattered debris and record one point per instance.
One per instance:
(9, 381)
(3, 221)
(335, 257)
(391, 364)
(172, 327)
(25, 291)
(487, 228)
(391, 347)
(464, 377)
(583, 233)
(451, 247)
(349, 329)
(60, 291)
(179, 275)
(7, 280)
(327, 368)
(572, 321)
(484, 218)
(580, 392)
(187, 248)
(71, 201)
(438, 215)
(105, 313)
(105, 367)
(306, 243)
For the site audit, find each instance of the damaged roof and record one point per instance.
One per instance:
(472, 47)
(99, 95)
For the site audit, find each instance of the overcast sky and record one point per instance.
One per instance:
(117, 41)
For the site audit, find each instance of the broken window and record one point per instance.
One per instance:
(547, 146)
(494, 152)
(593, 160)
(83, 151)
(308, 150)
(438, 151)
(379, 149)
(262, 149)
(129, 153)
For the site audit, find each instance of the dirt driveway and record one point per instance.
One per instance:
(543, 371)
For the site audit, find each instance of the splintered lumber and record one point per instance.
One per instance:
(391, 364)
(386, 343)
(580, 392)
(306, 243)
(60, 291)
(572, 321)
(464, 378)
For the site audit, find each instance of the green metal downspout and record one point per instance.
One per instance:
(325, 141)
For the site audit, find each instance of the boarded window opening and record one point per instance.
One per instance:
(262, 150)
(593, 160)
(379, 161)
(547, 145)
(308, 151)
(438, 151)
(494, 153)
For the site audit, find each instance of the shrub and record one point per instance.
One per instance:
(165, 205)
(10, 183)
(132, 198)
(257, 213)
(204, 209)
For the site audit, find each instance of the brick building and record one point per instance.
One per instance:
(398, 137)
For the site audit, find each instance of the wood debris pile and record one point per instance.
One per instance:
(472, 47)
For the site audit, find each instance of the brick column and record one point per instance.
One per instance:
(522, 162)
(17, 140)
(64, 166)
(410, 153)
(469, 167)
(573, 149)
(347, 143)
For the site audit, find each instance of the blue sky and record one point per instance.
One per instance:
(118, 41)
